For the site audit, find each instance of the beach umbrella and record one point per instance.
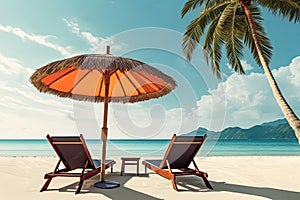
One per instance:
(102, 78)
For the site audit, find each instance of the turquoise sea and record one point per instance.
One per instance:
(148, 148)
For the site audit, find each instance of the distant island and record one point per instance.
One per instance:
(278, 129)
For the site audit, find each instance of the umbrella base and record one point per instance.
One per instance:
(107, 184)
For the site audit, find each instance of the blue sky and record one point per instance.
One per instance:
(35, 33)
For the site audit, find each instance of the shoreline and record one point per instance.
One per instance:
(232, 177)
(158, 148)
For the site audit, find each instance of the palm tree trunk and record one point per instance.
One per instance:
(285, 108)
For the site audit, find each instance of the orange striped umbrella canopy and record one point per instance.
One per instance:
(102, 78)
(83, 78)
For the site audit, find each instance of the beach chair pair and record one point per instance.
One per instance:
(74, 154)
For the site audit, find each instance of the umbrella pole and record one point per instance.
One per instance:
(105, 184)
(104, 140)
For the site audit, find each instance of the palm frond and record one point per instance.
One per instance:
(248, 41)
(286, 8)
(207, 48)
(233, 44)
(240, 24)
(264, 42)
(219, 38)
(196, 28)
(216, 55)
(191, 38)
(211, 3)
(190, 5)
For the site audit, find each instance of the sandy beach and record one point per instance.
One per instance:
(247, 177)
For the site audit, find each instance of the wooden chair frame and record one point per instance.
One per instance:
(89, 166)
(166, 170)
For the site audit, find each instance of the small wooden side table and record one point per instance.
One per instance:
(130, 161)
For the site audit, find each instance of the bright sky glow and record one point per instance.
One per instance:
(36, 33)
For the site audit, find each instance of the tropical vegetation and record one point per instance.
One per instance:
(232, 25)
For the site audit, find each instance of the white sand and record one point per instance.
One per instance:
(249, 177)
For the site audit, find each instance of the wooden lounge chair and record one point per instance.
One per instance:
(73, 154)
(178, 157)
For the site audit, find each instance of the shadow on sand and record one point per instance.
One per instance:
(271, 193)
(121, 192)
(196, 185)
(186, 184)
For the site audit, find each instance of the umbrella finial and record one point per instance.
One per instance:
(107, 49)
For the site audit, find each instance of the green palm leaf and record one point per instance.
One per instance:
(234, 46)
(286, 8)
(190, 5)
(264, 42)
(196, 28)
(207, 48)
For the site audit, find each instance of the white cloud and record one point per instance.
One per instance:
(246, 66)
(11, 66)
(91, 39)
(94, 41)
(138, 121)
(97, 43)
(40, 39)
(248, 99)
(25, 113)
(74, 26)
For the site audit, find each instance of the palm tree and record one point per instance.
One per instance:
(235, 24)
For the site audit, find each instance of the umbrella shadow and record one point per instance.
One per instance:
(121, 192)
(196, 184)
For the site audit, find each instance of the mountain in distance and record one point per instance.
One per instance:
(275, 123)
(278, 129)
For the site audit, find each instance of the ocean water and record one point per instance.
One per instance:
(149, 148)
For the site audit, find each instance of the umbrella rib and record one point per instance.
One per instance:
(100, 86)
(132, 83)
(121, 84)
(112, 72)
(80, 80)
(61, 77)
(149, 80)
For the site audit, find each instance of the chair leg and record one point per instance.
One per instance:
(201, 174)
(81, 178)
(174, 183)
(45, 186)
(79, 186)
(207, 183)
(122, 167)
(138, 168)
